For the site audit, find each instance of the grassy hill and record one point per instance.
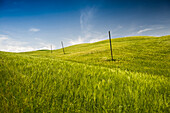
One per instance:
(85, 80)
(144, 54)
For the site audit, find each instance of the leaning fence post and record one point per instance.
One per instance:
(110, 46)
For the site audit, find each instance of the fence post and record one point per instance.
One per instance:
(110, 46)
(62, 47)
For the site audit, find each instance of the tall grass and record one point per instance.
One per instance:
(145, 54)
(38, 84)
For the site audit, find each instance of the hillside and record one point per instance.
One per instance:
(144, 54)
(34, 84)
(85, 80)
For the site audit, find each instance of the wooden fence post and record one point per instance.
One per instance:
(110, 46)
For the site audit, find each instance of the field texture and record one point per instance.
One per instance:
(146, 54)
(85, 80)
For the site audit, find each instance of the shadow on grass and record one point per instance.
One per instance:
(111, 60)
(65, 53)
(43, 50)
(62, 53)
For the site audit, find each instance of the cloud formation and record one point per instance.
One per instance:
(34, 30)
(10, 45)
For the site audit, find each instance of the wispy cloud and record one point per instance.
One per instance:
(3, 37)
(85, 18)
(151, 28)
(77, 41)
(34, 30)
(88, 33)
(144, 30)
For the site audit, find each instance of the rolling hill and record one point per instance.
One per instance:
(85, 80)
(144, 54)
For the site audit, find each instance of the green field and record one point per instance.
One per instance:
(86, 80)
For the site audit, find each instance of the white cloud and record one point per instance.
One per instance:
(98, 37)
(10, 45)
(34, 30)
(144, 30)
(42, 44)
(94, 40)
(78, 41)
(17, 48)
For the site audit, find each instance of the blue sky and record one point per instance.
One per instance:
(27, 25)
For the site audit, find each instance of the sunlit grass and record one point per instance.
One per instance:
(87, 81)
(144, 54)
